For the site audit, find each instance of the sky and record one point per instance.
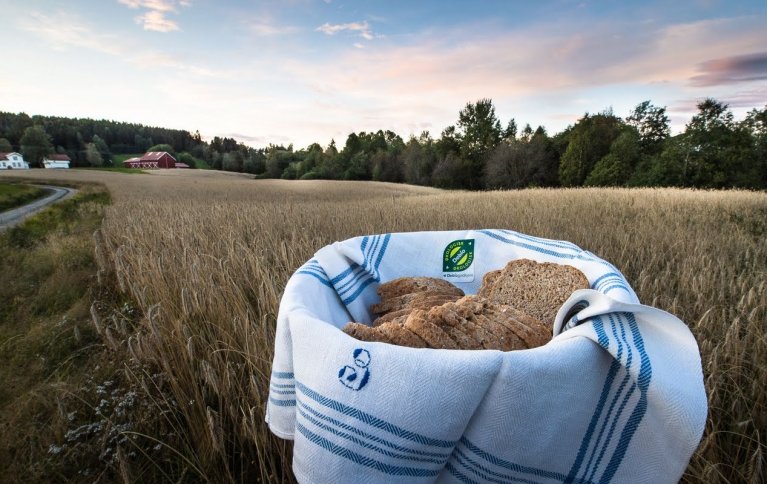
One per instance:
(305, 71)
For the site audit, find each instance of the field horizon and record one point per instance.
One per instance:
(189, 268)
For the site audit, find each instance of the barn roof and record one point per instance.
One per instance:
(155, 155)
(132, 159)
(58, 157)
(181, 165)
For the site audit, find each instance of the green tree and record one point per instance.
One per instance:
(451, 172)
(480, 132)
(5, 146)
(589, 141)
(652, 124)
(101, 145)
(93, 155)
(232, 161)
(615, 168)
(510, 133)
(523, 162)
(418, 159)
(718, 153)
(35, 145)
(756, 125)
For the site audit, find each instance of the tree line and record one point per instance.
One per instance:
(477, 152)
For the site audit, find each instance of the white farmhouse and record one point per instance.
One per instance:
(56, 161)
(13, 161)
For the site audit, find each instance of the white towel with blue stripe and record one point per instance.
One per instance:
(616, 396)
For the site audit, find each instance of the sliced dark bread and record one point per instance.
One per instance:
(537, 289)
(409, 285)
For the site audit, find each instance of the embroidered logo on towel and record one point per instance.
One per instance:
(356, 378)
(457, 260)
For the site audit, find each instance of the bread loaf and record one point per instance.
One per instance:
(513, 309)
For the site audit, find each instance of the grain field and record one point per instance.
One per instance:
(203, 258)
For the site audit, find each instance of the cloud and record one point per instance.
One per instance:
(155, 19)
(469, 65)
(732, 70)
(265, 27)
(362, 28)
(64, 30)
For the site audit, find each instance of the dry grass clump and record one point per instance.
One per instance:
(206, 257)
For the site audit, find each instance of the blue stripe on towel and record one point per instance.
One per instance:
(359, 290)
(282, 385)
(373, 249)
(282, 403)
(367, 445)
(645, 375)
(387, 237)
(528, 246)
(617, 321)
(372, 420)
(359, 273)
(282, 392)
(312, 268)
(608, 436)
(285, 375)
(547, 242)
(484, 472)
(615, 286)
(603, 340)
(459, 475)
(497, 461)
(341, 276)
(436, 457)
(362, 460)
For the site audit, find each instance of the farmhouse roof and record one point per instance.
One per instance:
(5, 156)
(155, 155)
(58, 157)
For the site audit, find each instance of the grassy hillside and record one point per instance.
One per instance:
(14, 195)
(198, 261)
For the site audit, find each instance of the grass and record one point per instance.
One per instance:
(115, 169)
(192, 267)
(15, 195)
(46, 339)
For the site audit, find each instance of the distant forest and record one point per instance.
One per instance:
(478, 152)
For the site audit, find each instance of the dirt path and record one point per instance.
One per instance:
(17, 215)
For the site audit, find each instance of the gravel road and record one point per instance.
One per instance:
(17, 215)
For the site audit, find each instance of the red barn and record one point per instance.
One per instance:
(152, 159)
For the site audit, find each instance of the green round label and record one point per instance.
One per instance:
(458, 255)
